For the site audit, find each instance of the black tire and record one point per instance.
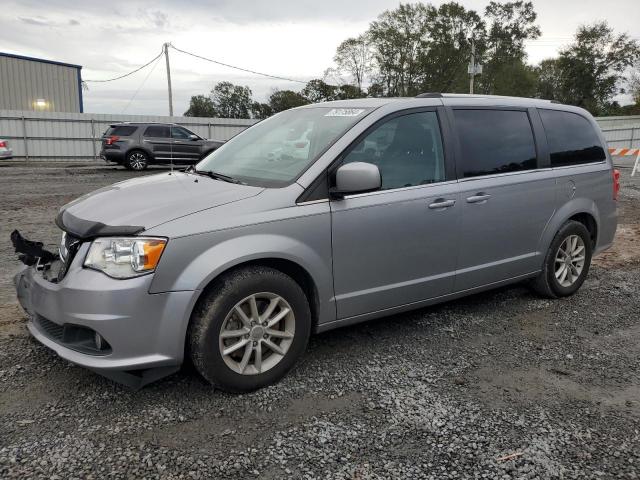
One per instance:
(211, 311)
(137, 160)
(546, 283)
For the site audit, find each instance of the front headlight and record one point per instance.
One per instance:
(125, 257)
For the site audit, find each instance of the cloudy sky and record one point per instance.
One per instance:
(290, 38)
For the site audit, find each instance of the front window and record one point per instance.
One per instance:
(406, 149)
(181, 133)
(276, 151)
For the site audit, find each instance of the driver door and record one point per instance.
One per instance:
(185, 148)
(397, 246)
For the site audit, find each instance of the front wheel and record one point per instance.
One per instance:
(566, 263)
(249, 329)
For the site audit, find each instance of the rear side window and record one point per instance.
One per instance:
(494, 141)
(571, 137)
(121, 130)
(157, 131)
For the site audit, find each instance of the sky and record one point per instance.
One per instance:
(289, 38)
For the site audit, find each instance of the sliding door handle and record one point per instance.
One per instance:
(478, 198)
(441, 203)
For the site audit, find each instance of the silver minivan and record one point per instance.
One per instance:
(390, 205)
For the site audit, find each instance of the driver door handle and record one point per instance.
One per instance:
(441, 203)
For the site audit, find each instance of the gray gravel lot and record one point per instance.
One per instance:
(498, 385)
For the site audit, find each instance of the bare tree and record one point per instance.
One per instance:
(634, 85)
(354, 57)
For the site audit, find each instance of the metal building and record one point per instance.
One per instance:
(39, 85)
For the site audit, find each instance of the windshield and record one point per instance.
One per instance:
(276, 151)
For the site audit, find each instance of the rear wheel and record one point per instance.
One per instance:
(566, 263)
(250, 329)
(137, 160)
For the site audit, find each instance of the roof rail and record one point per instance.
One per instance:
(430, 95)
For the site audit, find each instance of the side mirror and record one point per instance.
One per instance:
(194, 137)
(356, 177)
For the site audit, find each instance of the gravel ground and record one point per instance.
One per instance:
(498, 385)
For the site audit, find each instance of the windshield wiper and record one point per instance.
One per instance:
(218, 176)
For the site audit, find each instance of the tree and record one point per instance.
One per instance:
(285, 99)
(592, 68)
(318, 91)
(261, 110)
(510, 25)
(634, 86)
(549, 81)
(200, 106)
(397, 39)
(505, 72)
(354, 57)
(231, 101)
(444, 63)
(347, 92)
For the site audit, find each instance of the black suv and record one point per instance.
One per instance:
(137, 145)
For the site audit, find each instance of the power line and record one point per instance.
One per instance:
(142, 84)
(237, 68)
(127, 74)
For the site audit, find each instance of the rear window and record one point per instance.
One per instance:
(157, 131)
(494, 141)
(572, 139)
(121, 130)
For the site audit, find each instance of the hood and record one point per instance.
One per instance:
(135, 205)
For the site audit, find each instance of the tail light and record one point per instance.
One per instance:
(112, 139)
(3, 144)
(616, 183)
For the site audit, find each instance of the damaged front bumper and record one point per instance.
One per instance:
(113, 327)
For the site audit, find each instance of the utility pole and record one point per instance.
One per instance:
(472, 65)
(473, 69)
(166, 56)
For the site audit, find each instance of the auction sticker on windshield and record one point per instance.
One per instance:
(344, 112)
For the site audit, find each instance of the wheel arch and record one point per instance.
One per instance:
(142, 149)
(581, 210)
(290, 268)
(589, 221)
(182, 270)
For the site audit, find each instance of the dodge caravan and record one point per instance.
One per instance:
(392, 205)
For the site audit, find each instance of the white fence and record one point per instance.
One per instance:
(67, 136)
(621, 132)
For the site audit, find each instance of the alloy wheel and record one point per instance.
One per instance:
(569, 260)
(137, 161)
(257, 333)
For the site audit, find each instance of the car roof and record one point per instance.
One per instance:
(446, 99)
(144, 123)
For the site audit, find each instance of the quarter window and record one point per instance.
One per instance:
(571, 137)
(406, 149)
(158, 131)
(494, 141)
